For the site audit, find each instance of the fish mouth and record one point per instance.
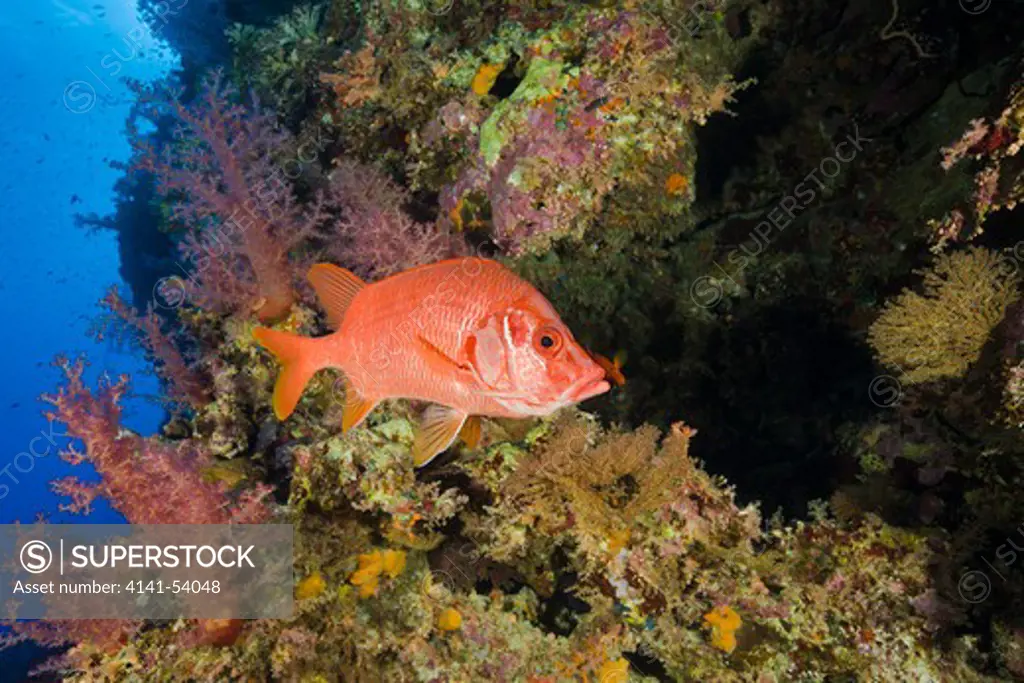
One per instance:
(589, 387)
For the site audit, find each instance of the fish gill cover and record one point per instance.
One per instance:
(793, 226)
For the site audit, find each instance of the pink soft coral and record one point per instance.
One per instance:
(374, 235)
(183, 383)
(146, 480)
(241, 214)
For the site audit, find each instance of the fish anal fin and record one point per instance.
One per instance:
(336, 288)
(470, 432)
(438, 429)
(357, 407)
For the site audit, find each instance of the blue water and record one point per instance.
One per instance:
(62, 111)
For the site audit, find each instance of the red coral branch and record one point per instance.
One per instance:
(146, 480)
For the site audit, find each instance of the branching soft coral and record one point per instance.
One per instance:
(375, 236)
(103, 635)
(227, 190)
(184, 384)
(938, 334)
(147, 481)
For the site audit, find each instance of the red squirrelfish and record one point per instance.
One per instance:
(466, 335)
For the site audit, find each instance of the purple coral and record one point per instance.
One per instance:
(184, 384)
(536, 186)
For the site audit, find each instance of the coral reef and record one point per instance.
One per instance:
(148, 481)
(670, 567)
(999, 183)
(744, 267)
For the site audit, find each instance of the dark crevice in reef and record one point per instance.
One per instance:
(508, 80)
(779, 382)
(783, 374)
(729, 142)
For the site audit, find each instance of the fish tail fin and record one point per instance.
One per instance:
(299, 362)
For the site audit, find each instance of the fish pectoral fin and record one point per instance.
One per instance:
(439, 358)
(438, 429)
(336, 288)
(470, 432)
(357, 407)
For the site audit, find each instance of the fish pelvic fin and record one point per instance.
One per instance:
(471, 432)
(298, 365)
(438, 429)
(336, 288)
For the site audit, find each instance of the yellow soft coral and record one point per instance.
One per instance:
(485, 77)
(449, 620)
(724, 622)
(617, 540)
(940, 332)
(676, 184)
(372, 565)
(310, 587)
(393, 562)
(614, 671)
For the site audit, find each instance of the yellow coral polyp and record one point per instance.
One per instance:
(310, 587)
(372, 565)
(724, 622)
(614, 671)
(485, 77)
(456, 215)
(617, 540)
(676, 184)
(393, 562)
(367, 581)
(449, 620)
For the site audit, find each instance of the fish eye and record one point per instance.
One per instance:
(548, 340)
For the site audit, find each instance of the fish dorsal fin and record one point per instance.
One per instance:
(470, 432)
(336, 288)
(438, 429)
(357, 407)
